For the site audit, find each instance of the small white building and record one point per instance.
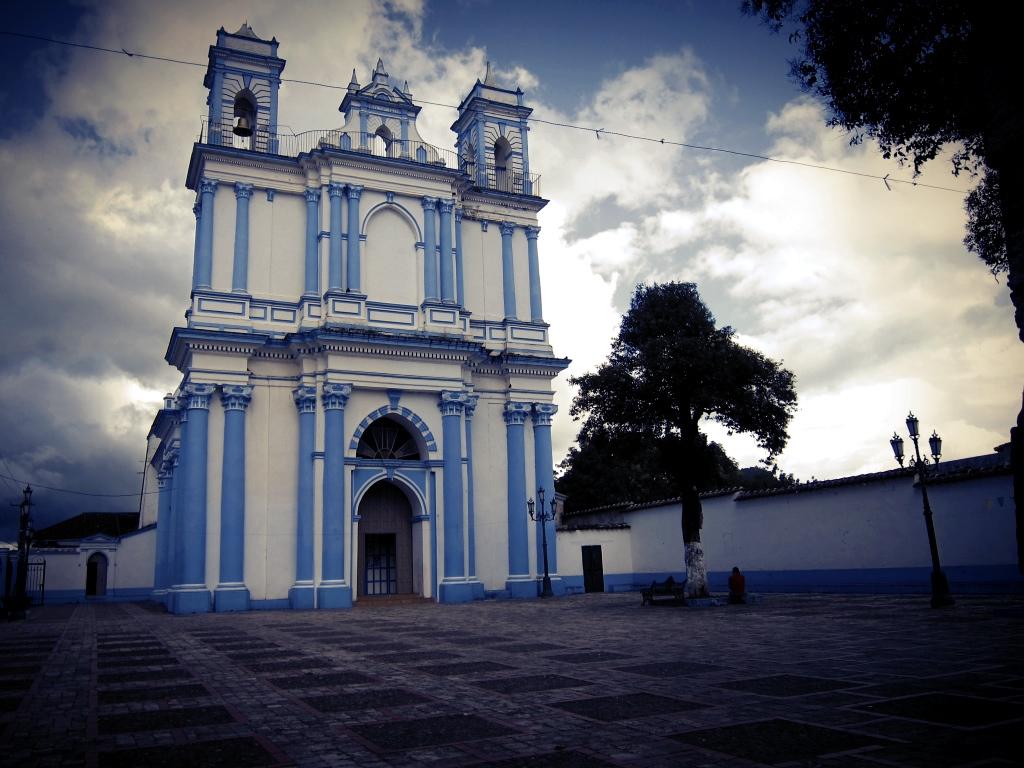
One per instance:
(366, 400)
(864, 533)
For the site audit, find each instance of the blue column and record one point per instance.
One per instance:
(312, 232)
(536, 312)
(429, 250)
(444, 207)
(197, 209)
(544, 473)
(204, 271)
(231, 593)
(508, 273)
(335, 190)
(460, 293)
(333, 591)
(478, 588)
(519, 582)
(240, 270)
(175, 548)
(454, 588)
(191, 594)
(354, 279)
(163, 524)
(301, 595)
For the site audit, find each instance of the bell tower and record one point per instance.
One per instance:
(492, 137)
(243, 76)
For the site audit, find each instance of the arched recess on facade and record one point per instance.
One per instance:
(96, 575)
(412, 423)
(390, 254)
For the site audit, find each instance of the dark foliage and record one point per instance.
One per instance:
(985, 235)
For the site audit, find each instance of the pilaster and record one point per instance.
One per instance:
(204, 271)
(312, 263)
(536, 311)
(508, 273)
(240, 267)
(231, 593)
(336, 192)
(519, 582)
(542, 414)
(354, 271)
(301, 594)
(444, 208)
(429, 249)
(454, 587)
(334, 591)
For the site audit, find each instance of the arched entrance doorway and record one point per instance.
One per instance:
(385, 542)
(96, 575)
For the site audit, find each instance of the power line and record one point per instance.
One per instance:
(598, 132)
(77, 493)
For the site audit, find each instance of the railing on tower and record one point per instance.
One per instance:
(221, 134)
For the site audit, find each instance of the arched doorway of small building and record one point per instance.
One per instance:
(96, 575)
(385, 542)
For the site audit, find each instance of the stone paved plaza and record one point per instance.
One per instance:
(591, 680)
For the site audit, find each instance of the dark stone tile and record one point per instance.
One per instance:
(376, 647)
(528, 647)
(314, 680)
(161, 693)
(586, 657)
(145, 661)
(18, 670)
(280, 666)
(413, 657)
(626, 706)
(568, 759)
(246, 646)
(138, 677)
(379, 698)
(429, 732)
(128, 653)
(162, 719)
(530, 683)
(15, 684)
(775, 741)
(670, 668)
(228, 753)
(948, 709)
(464, 668)
(266, 655)
(9, 704)
(783, 686)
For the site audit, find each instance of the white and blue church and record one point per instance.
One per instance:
(366, 396)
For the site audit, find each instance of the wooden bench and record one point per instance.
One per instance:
(667, 590)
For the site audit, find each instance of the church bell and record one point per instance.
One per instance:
(243, 127)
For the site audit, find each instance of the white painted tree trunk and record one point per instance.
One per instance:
(696, 571)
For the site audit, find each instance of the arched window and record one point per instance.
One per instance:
(502, 161)
(244, 123)
(384, 144)
(387, 439)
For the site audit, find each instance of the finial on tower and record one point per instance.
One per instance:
(379, 74)
(353, 84)
(488, 76)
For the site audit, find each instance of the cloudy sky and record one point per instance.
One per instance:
(867, 295)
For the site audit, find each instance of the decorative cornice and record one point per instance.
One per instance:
(515, 413)
(235, 397)
(542, 414)
(197, 396)
(243, 191)
(507, 228)
(305, 399)
(452, 402)
(335, 395)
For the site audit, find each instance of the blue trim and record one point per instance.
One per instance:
(432, 499)
(304, 503)
(544, 476)
(240, 266)
(447, 278)
(429, 249)
(508, 274)
(281, 604)
(471, 511)
(232, 502)
(536, 310)
(354, 276)
(518, 554)
(312, 266)
(333, 558)
(408, 416)
(195, 448)
(333, 596)
(458, 592)
(204, 272)
(965, 579)
(460, 292)
(451, 430)
(227, 600)
(334, 269)
(123, 595)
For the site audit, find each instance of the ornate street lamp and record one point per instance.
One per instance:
(21, 576)
(940, 585)
(543, 514)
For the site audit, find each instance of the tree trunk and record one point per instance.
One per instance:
(693, 521)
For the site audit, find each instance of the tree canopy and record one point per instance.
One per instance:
(670, 368)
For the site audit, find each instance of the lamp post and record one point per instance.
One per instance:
(21, 580)
(543, 514)
(940, 586)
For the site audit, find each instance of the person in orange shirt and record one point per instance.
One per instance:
(737, 587)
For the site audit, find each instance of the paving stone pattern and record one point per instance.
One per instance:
(590, 681)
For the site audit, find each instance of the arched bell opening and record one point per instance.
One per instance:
(96, 575)
(502, 163)
(244, 121)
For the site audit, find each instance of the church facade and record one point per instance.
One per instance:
(366, 397)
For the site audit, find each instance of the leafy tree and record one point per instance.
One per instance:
(669, 369)
(761, 478)
(610, 465)
(918, 76)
